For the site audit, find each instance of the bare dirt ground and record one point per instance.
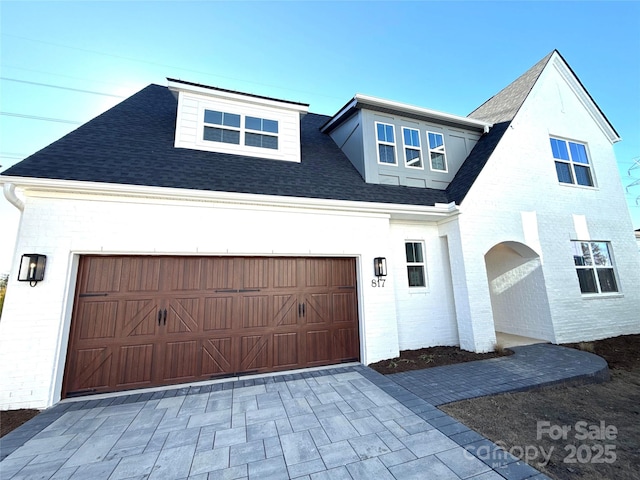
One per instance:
(12, 419)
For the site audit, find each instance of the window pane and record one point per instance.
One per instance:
(211, 116)
(578, 153)
(413, 157)
(253, 123)
(417, 247)
(601, 255)
(435, 140)
(408, 247)
(270, 126)
(578, 256)
(231, 120)
(587, 280)
(559, 149)
(381, 135)
(437, 161)
(583, 175)
(411, 137)
(416, 276)
(263, 141)
(386, 154)
(607, 280)
(564, 172)
(389, 133)
(231, 136)
(212, 134)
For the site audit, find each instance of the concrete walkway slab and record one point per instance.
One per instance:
(340, 423)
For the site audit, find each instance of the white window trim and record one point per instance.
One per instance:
(594, 269)
(444, 152)
(571, 163)
(422, 264)
(391, 144)
(412, 147)
(221, 127)
(242, 130)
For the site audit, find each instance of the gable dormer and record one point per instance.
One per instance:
(398, 144)
(223, 121)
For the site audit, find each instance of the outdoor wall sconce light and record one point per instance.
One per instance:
(380, 266)
(32, 268)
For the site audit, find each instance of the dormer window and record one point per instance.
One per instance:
(437, 153)
(412, 154)
(234, 123)
(268, 138)
(227, 129)
(386, 143)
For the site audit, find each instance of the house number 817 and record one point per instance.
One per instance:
(378, 282)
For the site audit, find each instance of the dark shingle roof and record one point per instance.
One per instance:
(132, 143)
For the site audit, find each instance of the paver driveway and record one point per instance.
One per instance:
(339, 423)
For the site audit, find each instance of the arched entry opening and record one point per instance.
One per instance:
(518, 293)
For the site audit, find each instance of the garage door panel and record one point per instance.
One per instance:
(318, 346)
(219, 273)
(93, 369)
(101, 275)
(255, 273)
(89, 311)
(317, 308)
(216, 356)
(140, 317)
(182, 274)
(285, 349)
(254, 352)
(255, 311)
(342, 272)
(285, 310)
(180, 361)
(142, 274)
(183, 315)
(316, 272)
(135, 362)
(218, 313)
(285, 273)
(344, 307)
(344, 344)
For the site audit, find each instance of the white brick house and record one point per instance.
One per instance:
(193, 232)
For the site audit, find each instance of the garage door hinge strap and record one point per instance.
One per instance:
(250, 290)
(93, 294)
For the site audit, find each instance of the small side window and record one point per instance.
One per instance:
(415, 264)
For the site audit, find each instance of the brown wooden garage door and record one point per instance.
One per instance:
(148, 321)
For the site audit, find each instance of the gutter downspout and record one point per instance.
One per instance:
(9, 190)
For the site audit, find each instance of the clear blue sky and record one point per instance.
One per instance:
(447, 56)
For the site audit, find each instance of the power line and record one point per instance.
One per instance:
(35, 117)
(60, 87)
(64, 76)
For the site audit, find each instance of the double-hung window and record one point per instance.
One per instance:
(572, 162)
(261, 132)
(221, 127)
(415, 264)
(386, 143)
(412, 154)
(437, 154)
(594, 267)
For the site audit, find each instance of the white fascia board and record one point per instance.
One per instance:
(236, 97)
(432, 114)
(437, 212)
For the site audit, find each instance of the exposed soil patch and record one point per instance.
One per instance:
(431, 357)
(12, 419)
(605, 445)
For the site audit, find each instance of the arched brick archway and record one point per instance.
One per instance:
(518, 291)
